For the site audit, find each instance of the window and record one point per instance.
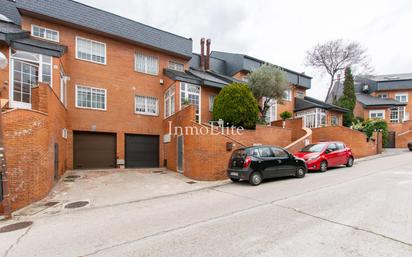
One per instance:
(265, 152)
(313, 118)
(45, 33)
(90, 98)
(27, 70)
(271, 112)
(89, 50)
(340, 146)
(146, 105)
(383, 95)
(211, 102)
(170, 101)
(190, 93)
(287, 95)
(300, 94)
(332, 147)
(334, 120)
(403, 98)
(279, 152)
(176, 66)
(397, 114)
(146, 64)
(377, 114)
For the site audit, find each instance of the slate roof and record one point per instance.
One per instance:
(91, 18)
(372, 101)
(309, 103)
(8, 9)
(392, 77)
(10, 31)
(39, 46)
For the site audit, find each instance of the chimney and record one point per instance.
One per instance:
(207, 61)
(202, 53)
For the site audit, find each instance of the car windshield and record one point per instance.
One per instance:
(313, 148)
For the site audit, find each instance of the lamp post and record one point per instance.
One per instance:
(5, 199)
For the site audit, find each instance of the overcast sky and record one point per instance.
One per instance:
(280, 32)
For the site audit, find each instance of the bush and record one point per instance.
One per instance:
(236, 106)
(286, 115)
(371, 125)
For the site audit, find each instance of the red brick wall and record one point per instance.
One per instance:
(206, 114)
(352, 138)
(29, 138)
(403, 139)
(205, 156)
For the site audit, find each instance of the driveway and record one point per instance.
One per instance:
(365, 210)
(102, 188)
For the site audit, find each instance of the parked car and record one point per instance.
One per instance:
(410, 146)
(262, 162)
(323, 155)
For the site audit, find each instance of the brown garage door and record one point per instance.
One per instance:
(142, 151)
(92, 150)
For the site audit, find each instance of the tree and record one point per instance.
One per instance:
(236, 106)
(348, 99)
(267, 83)
(334, 56)
(286, 115)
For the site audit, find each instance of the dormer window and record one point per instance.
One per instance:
(176, 66)
(44, 33)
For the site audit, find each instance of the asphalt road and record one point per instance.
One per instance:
(365, 210)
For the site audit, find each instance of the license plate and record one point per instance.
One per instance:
(234, 174)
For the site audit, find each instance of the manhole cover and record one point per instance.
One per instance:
(72, 177)
(50, 204)
(16, 226)
(78, 204)
(191, 182)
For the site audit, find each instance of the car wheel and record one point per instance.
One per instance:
(300, 172)
(255, 178)
(234, 179)
(350, 162)
(323, 166)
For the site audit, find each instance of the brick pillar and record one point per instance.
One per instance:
(5, 204)
(40, 97)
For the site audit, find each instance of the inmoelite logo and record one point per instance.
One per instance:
(202, 130)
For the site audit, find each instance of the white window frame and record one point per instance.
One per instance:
(287, 95)
(146, 70)
(91, 108)
(271, 114)
(91, 53)
(45, 33)
(170, 99)
(146, 113)
(211, 102)
(199, 114)
(400, 95)
(376, 112)
(173, 64)
(383, 95)
(312, 118)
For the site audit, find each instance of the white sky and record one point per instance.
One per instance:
(281, 31)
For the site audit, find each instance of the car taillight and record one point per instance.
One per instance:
(247, 162)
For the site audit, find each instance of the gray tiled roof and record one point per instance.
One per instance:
(39, 46)
(8, 9)
(309, 103)
(370, 101)
(88, 17)
(392, 77)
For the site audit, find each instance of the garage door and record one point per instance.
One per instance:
(93, 150)
(142, 151)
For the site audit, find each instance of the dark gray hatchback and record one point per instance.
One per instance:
(262, 162)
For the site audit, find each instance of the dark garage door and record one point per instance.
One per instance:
(93, 150)
(142, 151)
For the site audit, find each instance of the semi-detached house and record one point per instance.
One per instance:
(85, 88)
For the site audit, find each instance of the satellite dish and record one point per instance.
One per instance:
(3, 61)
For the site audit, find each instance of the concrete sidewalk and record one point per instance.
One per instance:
(103, 188)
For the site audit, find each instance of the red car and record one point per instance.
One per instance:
(322, 155)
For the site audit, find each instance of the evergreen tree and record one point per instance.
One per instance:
(348, 99)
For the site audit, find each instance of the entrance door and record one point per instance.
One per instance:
(142, 151)
(92, 150)
(180, 154)
(391, 142)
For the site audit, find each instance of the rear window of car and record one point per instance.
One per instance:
(238, 154)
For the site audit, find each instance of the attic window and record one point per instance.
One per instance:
(44, 33)
(176, 66)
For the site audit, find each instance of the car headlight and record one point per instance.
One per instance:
(313, 158)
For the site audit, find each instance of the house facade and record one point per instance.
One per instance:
(382, 97)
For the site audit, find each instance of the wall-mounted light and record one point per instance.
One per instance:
(161, 82)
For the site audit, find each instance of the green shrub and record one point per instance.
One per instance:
(371, 125)
(286, 115)
(236, 106)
